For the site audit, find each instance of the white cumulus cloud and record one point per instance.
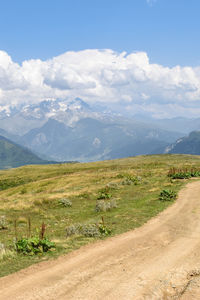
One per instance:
(101, 76)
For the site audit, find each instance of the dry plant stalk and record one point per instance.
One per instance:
(15, 227)
(43, 228)
(29, 227)
(103, 223)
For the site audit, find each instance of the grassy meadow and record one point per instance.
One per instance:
(35, 193)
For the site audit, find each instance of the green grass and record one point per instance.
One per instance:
(34, 192)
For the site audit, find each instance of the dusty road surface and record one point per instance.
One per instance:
(160, 260)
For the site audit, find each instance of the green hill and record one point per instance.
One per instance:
(13, 155)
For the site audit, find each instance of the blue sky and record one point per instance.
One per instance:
(140, 56)
(168, 30)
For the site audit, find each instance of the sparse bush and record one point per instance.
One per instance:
(167, 195)
(102, 205)
(65, 202)
(88, 230)
(3, 223)
(73, 229)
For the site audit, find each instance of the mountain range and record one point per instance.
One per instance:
(72, 130)
(92, 139)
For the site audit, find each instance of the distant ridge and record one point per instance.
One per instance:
(186, 145)
(13, 155)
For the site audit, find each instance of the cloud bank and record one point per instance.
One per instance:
(123, 80)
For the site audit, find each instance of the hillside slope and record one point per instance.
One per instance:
(186, 145)
(13, 155)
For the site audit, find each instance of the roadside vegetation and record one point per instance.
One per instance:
(48, 210)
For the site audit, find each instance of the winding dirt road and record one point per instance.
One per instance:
(160, 260)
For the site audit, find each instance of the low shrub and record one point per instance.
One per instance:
(102, 205)
(167, 195)
(129, 179)
(65, 202)
(88, 230)
(73, 229)
(183, 173)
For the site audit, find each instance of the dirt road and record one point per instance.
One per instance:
(160, 260)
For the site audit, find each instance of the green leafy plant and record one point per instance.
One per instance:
(183, 173)
(104, 230)
(33, 245)
(167, 195)
(104, 193)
